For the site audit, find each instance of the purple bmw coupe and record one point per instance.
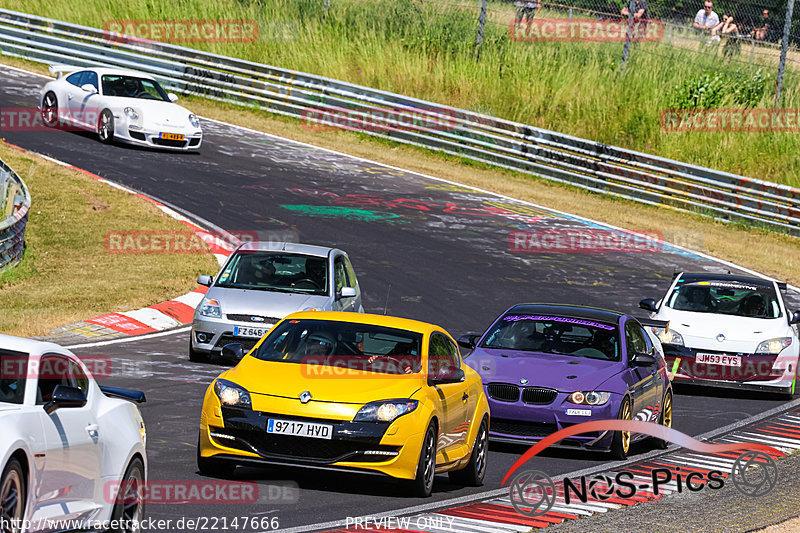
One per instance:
(546, 367)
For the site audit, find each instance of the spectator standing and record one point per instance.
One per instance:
(706, 19)
(526, 11)
(640, 16)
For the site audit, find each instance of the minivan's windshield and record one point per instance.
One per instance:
(726, 297)
(13, 372)
(344, 345)
(554, 334)
(276, 271)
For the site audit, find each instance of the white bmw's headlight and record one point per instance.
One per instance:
(385, 411)
(210, 308)
(193, 120)
(668, 336)
(131, 113)
(774, 346)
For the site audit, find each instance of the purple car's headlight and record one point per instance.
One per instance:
(589, 398)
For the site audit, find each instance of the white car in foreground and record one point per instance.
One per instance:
(66, 444)
(728, 331)
(118, 105)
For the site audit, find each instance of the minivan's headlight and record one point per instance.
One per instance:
(132, 114)
(668, 336)
(229, 393)
(385, 410)
(210, 308)
(774, 346)
(193, 120)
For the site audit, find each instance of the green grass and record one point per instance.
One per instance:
(426, 49)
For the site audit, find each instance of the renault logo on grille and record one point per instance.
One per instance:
(305, 397)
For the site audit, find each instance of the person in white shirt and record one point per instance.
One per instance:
(706, 19)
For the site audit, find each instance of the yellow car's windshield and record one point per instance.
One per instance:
(344, 344)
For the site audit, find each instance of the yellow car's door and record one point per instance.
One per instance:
(446, 377)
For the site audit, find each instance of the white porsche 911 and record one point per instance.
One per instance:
(66, 443)
(118, 105)
(728, 331)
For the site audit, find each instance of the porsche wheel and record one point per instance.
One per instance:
(422, 484)
(12, 497)
(665, 419)
(621, 442)
(472, 475)
(129, 506)
(105, 127)
(50, 110)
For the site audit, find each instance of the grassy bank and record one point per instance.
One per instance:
(426, 49)
(66, 275)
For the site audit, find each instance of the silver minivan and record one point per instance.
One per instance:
(262, 282)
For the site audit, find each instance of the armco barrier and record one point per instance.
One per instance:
(586, 164)
(15, 202)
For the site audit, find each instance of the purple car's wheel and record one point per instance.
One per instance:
(621, 442)
(666, 418)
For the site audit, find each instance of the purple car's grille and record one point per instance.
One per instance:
(538, 396)
(521, 428)
(503, 392)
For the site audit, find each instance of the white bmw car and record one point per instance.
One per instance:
(118, 105)
(66, 444)
(728, 331)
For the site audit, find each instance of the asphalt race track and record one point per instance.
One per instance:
(421, 248)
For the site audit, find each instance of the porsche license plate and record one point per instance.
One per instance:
(299, 429)
(241, 331)
(172, 136)
(719, 359)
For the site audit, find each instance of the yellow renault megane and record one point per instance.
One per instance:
(360, 392)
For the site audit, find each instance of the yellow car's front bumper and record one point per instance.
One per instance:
(235, 434)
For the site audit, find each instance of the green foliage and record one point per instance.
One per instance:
(710, 90)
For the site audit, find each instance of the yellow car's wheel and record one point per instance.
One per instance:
(621, 442)
(422, 485)
(472, 475)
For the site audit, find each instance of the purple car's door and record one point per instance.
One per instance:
(647, 388)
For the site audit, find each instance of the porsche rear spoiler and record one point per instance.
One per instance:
(60, 70)
(649, 322)
(124, 394)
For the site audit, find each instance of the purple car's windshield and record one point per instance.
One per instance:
(556, 335)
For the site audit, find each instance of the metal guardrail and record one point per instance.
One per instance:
(15, 203)
(578, 162)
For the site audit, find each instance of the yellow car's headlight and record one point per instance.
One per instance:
(229, 393)
(385, 410)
